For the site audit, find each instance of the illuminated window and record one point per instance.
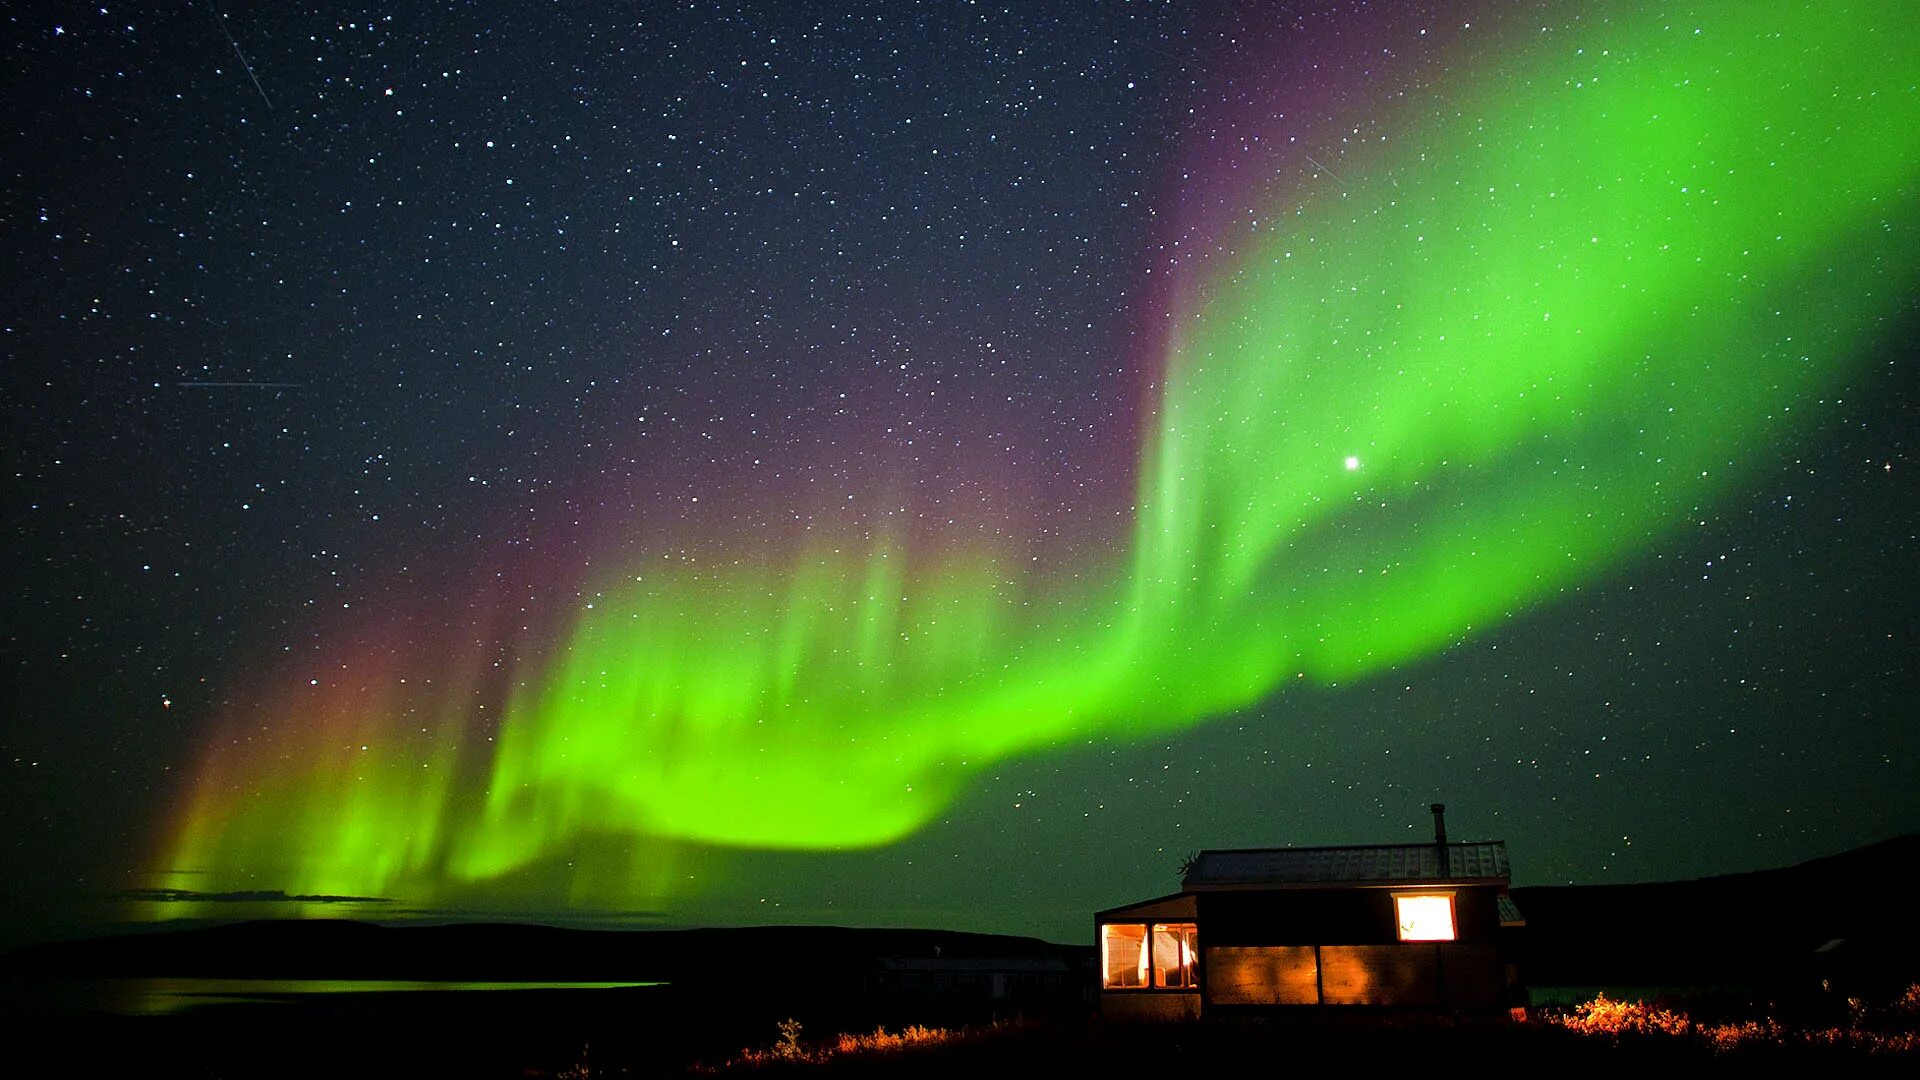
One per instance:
(1161, 956)
(1123, 954)
(1424, 916)
(1175, 948)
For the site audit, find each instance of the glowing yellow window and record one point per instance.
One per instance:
(1425, 917)
(1176, 946)
(1157, 956)
(1123, 955)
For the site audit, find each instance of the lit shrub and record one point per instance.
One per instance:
(1617, 1019)
(788, 1049)
(1605, 1016)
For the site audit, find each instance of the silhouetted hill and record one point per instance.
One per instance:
(1844, 917)
(344, 949)
(1841, 917)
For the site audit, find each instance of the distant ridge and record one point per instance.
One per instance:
(1841, 917)
(249, 896)
(347, 949)
(1836, 917)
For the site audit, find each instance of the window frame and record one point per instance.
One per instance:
(1453, 915)
(1153, 971)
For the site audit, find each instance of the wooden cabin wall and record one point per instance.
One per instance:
(1135, 1005)
(1261, 974)
(1450, 974)
(1342, 947)
(1332, 916)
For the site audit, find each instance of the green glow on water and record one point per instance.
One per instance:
(1578, 299)
(170, 996)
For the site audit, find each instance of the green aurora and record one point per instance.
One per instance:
(1566, 306)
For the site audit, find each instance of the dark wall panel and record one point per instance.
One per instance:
(1473, 975)
(1379, 974)
(1262, 975)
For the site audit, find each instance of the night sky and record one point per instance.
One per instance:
(940, 464)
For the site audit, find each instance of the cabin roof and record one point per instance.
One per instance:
(1510, 912)
(1372, 864)
(1178, 905)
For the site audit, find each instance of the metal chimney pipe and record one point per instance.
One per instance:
(1440, 838)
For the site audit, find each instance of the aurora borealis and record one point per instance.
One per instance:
(1423, 329)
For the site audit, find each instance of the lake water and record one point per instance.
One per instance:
(165, 996)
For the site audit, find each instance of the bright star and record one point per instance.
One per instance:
(1352, 463)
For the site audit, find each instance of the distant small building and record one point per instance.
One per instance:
(1003, 978)
(1397, 925)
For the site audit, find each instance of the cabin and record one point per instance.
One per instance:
(1409, 926)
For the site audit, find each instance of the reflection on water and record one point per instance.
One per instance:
(162, 996)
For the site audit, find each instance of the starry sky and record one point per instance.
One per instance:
(941, 464)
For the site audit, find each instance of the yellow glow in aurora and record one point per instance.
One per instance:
(1550, 317)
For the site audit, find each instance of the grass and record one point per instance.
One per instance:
(1597, 1032)
(791, 1049)
(1889, 1028)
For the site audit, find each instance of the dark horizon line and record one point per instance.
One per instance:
(270, 896)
